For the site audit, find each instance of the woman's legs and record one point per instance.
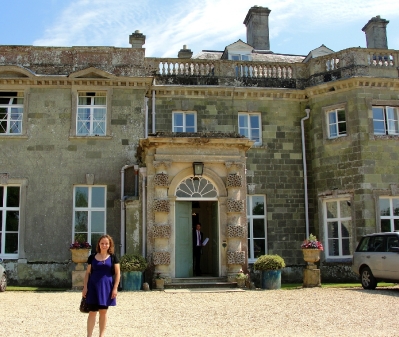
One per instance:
(103, 321)
(91, 321)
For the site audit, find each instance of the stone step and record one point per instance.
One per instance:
(197, 279)
(200, 282)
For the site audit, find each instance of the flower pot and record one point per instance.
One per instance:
(159, 283)
(240, 282)
(311, 255)
(132, 280)
(271, 279)
(80, 256)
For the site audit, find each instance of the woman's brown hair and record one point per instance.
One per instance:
(111, 247)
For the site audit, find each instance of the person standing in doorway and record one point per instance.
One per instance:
(198, 239)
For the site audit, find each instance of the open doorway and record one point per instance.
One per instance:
(188, 214)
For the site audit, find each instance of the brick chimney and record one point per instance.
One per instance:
(137, 39)
(257, 23)
(376, 33)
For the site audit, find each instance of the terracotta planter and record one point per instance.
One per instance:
(159, 283)
(311, 255)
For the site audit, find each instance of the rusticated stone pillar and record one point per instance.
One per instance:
(235, 210)
(161, 228)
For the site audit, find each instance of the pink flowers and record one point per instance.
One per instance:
(312, 243)
(80, 245)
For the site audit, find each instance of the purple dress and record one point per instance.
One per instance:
(101, 283)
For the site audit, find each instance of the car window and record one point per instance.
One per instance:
(364, 244)
(378, 244)
(392, 241)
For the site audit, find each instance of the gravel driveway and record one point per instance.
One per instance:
(299, 312)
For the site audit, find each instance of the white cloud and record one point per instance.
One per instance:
(209, 24)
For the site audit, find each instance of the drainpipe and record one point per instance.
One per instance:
(305, 178)
(143, 171)
(123, 198)
(153, 111)
(146, 119)
(136, 180)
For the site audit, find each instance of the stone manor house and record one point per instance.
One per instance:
(262, 148)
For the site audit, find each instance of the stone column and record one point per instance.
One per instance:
(235, 228)
(161, 229)
(311, 276)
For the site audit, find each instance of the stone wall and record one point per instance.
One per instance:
(359, 164)
(52, 162)
(276, 164)
(66, 60)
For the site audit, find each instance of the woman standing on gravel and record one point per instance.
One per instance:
(101, 283)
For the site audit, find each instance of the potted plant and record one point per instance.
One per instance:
(311, 249)
(159, 281)
(270, 266)
(132, 267)
(241, 279)
(80, 252)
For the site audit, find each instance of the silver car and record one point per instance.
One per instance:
(3, 277)
(376, 259)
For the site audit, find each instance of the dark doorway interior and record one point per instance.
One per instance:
(206, 212)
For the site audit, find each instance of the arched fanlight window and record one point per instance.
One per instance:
(196, 187)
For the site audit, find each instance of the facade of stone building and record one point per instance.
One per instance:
(106, 140)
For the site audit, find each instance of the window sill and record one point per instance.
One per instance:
(335, 139)
(2, 136)
(91, 137)
(380, 136)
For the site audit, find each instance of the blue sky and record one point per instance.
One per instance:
(296, 26)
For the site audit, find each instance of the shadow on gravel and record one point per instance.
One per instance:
(387, 291)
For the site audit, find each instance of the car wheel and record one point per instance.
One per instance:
(367, 278)
(3, 282)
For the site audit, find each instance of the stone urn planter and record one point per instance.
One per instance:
(311, 249)
(80, 256)
(311, 255)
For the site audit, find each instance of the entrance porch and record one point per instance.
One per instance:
(176, 198)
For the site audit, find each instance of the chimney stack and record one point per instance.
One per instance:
(185, 53)
(257, 23)
(137, 39)
(376, 33)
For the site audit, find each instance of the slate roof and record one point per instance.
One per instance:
(256, 56)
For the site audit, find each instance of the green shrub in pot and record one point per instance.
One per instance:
(269, 262)
(132, 262)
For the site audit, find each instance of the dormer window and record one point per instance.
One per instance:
(240, 57)
(241, 71)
